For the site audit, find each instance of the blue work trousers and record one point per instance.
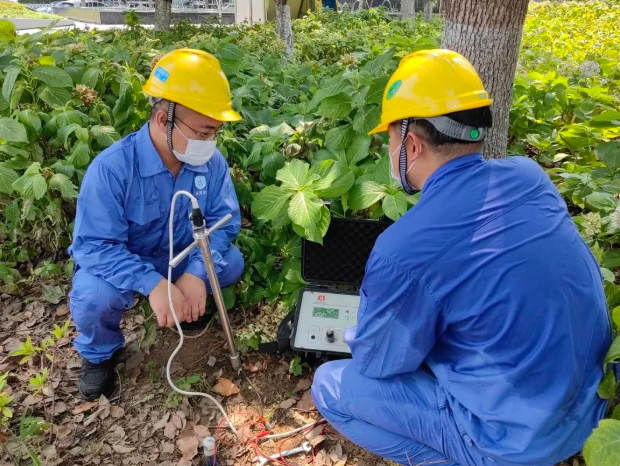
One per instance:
(399, 418)
(97, 308)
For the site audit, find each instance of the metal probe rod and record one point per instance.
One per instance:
(201, 237)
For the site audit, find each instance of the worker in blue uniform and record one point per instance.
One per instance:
(121, 235)
(483, 323)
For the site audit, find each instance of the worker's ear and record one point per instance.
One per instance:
(160, 118)
(415, 145)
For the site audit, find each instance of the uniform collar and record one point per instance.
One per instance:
(447, 169)
(149, 160)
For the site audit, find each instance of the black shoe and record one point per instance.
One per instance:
(97, 379)
(198, 325)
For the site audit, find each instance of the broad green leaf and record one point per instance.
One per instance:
(607, 388)
(375, 66)
(318, 231)
(124, 101)
(82, 134)
(327, 172)
(272, 163)
(603, 447)
(615, 316)
(358, 150)
(612, 187)
(31, 118)
(53, 76)
(602, 201)
(282, 219)
(90, 77)
(7, 30)
(339, 137)
(395, 205)
(47, 60)
(609, 153)
(270, 202)
(304, 209)
(54, 96)
(608, 275)
(63, 184)
(337, 106)
(616, 414)
(228, 51)
(340, 186)
(12, 72)
(12, 130)
(13, 212)
(65, 132)
(375, 94)
(613, 353)
(80, 155)
(365, 194)
(605, 120)
(293, 175)
(31, 184)
(366, 118)
(611, 260)
(105, 135)
(7, 178)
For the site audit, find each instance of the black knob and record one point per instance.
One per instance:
(331, 337)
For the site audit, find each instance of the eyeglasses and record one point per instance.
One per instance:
(210, 136)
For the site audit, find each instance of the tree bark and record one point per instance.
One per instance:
(488, 33)
(284, 26)
(407, 10)
(162, 14)
(428, 10)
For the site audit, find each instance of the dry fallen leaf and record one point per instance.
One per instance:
(335, 452)
(314, 432)
(167, 447)
(286, 404)
(60, 408)
(226, 388)
(117, 412)
(201, 431)
(62, 311)
(303, 385)
(63, 432)
(162, 422)
(306, 403)
(176, 420)
(317, 440)
(188, 444)
(84, 407)
(122, 448)
(322, 459)
(170, 430)
(211, 362)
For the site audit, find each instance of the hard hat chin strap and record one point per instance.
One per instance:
(402, 162)
(170, 124)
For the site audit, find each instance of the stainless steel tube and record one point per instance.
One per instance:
(202, 240)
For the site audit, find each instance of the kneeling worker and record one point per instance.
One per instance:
(483, 323)
(120, 239)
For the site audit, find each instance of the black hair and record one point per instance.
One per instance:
(477, 117)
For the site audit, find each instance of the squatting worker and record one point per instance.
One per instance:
(120, 241)
(482, 324)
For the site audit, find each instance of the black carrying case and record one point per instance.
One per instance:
(337, 266)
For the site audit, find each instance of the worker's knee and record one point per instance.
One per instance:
(326, 385)
(92, 296)
(234, 269)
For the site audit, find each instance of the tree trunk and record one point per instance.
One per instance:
(407, 10)
(428, 10)
(284, 26)
(488, 33)
(162, 14)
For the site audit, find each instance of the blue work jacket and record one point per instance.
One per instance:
(121, 225)
(488, 282)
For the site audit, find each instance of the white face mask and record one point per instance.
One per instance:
(197, 152)
(394, 175)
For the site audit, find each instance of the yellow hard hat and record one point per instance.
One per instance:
(431, 83)
(193, 78)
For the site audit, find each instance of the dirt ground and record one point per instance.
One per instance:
(145, 423)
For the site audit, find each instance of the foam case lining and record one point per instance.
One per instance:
(342, 257)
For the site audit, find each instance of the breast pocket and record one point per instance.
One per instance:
(145, 228)
(143, 214)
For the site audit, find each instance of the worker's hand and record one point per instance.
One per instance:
(161, 306)
(195, 292)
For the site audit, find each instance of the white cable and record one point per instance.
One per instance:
(176, 319)
(181, 336)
